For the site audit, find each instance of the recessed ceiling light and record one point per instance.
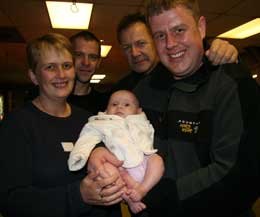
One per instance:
(69, 15)
(105, 50)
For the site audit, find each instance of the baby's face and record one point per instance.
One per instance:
(123, 103)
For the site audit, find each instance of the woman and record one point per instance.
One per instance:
(37, 139)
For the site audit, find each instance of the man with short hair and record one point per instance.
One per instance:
(184, 121)
(137, 44)
(205, 125)
(87, 49)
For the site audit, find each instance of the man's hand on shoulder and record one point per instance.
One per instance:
(222, 52)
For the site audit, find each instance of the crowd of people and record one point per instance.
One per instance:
(203, 109)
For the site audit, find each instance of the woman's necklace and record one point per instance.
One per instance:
(59, 112)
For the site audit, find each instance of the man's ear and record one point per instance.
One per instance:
(32, 76)
(202, 26)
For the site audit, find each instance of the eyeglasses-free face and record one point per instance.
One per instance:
(54, 74)
(87, 59)
(138, 47)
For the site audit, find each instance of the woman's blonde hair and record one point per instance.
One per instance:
(37, 47)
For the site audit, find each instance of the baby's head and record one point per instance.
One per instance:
(123, 103)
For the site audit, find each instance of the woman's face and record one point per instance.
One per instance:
(54, 74)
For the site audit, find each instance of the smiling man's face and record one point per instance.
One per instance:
(178, 39)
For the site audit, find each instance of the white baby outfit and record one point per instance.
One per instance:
(129, 139)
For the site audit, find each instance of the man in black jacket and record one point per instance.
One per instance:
(205, 125)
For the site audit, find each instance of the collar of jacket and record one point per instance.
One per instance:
(137, 74)
(162, 79)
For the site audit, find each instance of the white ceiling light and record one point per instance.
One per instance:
(98, 76)
(69, 15)
(244, 31)
(94, 81)
(254, 76)
(105, 50)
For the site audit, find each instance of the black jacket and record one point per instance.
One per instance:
(206, 127)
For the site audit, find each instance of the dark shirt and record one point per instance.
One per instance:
(93, 102)
(130, 81)
(215, 102)
(38, 173)
(36, 180)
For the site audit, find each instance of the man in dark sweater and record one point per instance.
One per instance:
(87, 49)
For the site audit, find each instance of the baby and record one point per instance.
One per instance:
(128, 134)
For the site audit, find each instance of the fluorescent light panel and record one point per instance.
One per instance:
(244, 31)
(105, 50)
(69, 15)
(94, 81)
(98, 76)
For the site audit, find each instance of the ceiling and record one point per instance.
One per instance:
(22, 20)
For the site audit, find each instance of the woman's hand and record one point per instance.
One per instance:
(101, 186)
